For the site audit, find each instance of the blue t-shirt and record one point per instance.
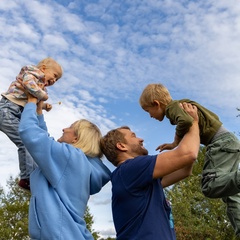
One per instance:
(139, 206)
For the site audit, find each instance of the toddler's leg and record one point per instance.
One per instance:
(215, 185)
(26, 163)
(221, 173)
(233, 211)
(10, 115)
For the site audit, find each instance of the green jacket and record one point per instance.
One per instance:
(209, 122)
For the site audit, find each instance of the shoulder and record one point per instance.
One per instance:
(32, 69)
(97, 163)
(29, 67)
(140, 162)
(173, 104)
(135, 172)
(172, 108)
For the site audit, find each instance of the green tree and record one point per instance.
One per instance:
(89, 222)
(195, 216)
(108, 238)
(14, 213)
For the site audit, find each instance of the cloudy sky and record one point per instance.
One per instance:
(110, 50)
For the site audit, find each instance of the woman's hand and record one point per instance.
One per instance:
(30, 97)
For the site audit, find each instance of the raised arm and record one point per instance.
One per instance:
(177, 176)
(182, 156)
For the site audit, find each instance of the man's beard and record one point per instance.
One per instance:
(139, 150)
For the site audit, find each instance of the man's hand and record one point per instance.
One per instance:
(190, 109)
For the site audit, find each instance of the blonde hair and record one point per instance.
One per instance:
(88, 138)
(154, 91)
(50, 63)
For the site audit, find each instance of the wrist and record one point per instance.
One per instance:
(33, 100)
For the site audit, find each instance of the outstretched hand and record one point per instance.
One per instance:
(166, 146)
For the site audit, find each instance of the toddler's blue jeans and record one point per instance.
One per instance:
(10, 115)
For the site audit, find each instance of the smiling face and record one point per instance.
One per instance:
(68, 136)
(156, 111)
(133, 144)
(52, 74)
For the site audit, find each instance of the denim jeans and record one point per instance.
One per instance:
(221, 175)
(10, 115)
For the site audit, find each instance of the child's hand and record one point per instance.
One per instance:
(47, 106)
(166, 146)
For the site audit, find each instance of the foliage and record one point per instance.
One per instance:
(14, 213)
(89, 222)
(238, 109)
(109, 238)
(195, 216)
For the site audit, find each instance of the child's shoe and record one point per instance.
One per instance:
(24, 183)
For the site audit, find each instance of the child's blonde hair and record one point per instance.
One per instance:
(88, 138)
(50, 63)
(154, 91)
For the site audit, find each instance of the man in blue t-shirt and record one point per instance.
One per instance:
(140, 210)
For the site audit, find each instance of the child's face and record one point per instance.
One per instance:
(156, 111)
(52, 74)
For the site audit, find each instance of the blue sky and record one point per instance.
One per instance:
(110, 50)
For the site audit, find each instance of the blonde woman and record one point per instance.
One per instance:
(69, 171)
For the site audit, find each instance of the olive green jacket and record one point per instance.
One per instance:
(209, 122)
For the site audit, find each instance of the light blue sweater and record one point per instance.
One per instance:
(62, 183)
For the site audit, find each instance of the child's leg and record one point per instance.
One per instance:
(26, 163)
(233, 211)
(221, 173)
(10, 115)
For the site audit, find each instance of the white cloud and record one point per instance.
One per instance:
(42, 14)
(72, 23)
(85, 95)
(55, 41)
